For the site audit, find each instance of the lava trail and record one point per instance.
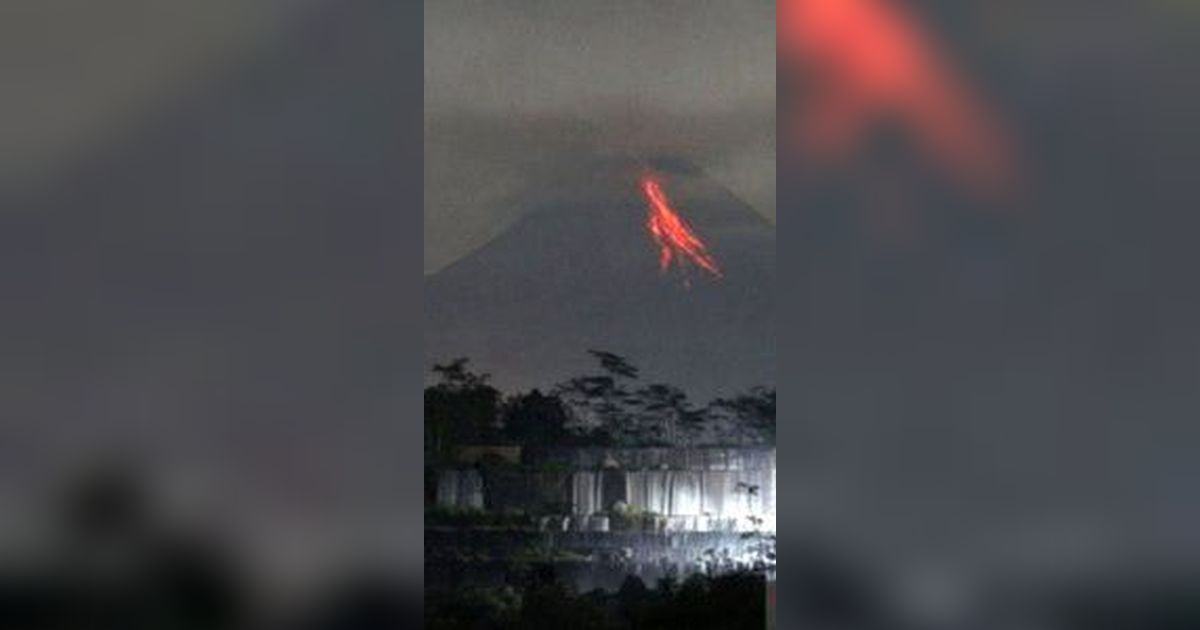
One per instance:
(676, 241)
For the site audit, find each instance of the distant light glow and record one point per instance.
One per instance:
(677, 242)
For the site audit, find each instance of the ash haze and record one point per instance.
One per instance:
(84, 80)
(518, 92)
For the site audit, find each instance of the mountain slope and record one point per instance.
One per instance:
(581, 271)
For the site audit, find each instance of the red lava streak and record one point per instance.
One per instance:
(676, 240)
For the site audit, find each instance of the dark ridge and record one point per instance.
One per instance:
(672, 165)
(580, 271)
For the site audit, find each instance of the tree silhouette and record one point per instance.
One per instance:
(605, 398)
(535, 418)
(615, 364)
(749, 417)
(667, 415)
(462, 408)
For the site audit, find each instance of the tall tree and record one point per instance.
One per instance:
(605, 399)
(461, 408)
(667, 416)
(749, 417)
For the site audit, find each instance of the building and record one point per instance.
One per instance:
(591, 489)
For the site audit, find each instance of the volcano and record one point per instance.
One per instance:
(580, 270)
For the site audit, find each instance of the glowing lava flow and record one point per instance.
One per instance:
(676, 240)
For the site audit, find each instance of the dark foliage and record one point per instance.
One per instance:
(666, 416)
(535, 418)
(606, 400)
(615, 364)
(726, 602)
(606, 408)
(462, 408)
(751, 416)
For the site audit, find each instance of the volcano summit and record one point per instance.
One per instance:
(581, 270)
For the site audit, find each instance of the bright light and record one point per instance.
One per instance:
(675, 238)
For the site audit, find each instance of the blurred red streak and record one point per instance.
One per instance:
(869, 60)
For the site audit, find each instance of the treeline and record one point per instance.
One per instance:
(611, 406)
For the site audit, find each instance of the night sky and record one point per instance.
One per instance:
(518, 92)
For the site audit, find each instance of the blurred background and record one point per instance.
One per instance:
(992, 368)
(204, 210)
(992, 386)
